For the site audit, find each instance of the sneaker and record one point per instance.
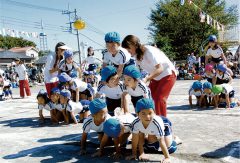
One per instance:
(177, 140)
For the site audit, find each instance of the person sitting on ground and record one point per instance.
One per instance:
(98, 110)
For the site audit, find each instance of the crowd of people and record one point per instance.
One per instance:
(97, 94)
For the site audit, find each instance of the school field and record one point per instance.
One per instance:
(208, 135)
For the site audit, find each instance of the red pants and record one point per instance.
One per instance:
(24, 84)
(50, 86)
(160, 90)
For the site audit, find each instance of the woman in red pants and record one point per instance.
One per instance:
(23, 78)
(162, 73)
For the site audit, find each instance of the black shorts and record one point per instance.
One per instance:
(112, 104)
(217, 60)
(135, 99)
(231, 94)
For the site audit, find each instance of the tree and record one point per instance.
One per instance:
(8, 42)
(177, 29)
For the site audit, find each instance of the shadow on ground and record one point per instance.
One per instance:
(232, 149)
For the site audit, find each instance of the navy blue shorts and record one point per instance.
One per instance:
(154, 147)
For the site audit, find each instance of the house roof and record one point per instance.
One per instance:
(41, 60)
(12, 55)
(22, 49)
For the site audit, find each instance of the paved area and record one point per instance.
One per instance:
(208, 135)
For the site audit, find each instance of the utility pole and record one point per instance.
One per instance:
(70, 30)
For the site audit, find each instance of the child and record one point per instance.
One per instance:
(85, 112)
(149, 123)
(111, 88)
(115, 54)
(196, 90)
(135, 87)
(223, 92)
(99, 115)
(222, 75)
(6, 88)
(209, 72)
(45, 103)
(70, 109)
(23, 78)
(207, 94)
(68, 65)
(80, 89)
(119, 129)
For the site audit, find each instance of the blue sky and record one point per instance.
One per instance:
(101, 16)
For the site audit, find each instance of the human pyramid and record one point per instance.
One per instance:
(105, 110)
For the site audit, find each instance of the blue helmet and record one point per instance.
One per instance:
(68, 53)
(212, 38)
(207, 85)
(112, 37)
(222, 67)
(197, 85)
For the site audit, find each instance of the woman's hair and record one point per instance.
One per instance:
(88, 50)
(134, 41)
(56, 52)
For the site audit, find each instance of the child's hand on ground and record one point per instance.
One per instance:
(144, 157)
(97, 154)
(166, 160)
(131, 157)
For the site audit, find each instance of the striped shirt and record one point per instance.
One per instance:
(140, 90)
(112, 93)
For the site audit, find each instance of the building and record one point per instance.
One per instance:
(28, 51)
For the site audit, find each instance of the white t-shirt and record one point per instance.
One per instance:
(47, 106)
(50, 77)
(155, 127)
(78, 83)
(57, 106)
(65, 67)
(205, 75)
(112, 93)
(89, 124)
(192, 92)
(126, 120)
(224, 76)
(91, 60)
(209, 94)
(75, 107)
(122, 57)
(227, 88)
(152, 57)
(214, 53)
(21, 71)
(140, 90)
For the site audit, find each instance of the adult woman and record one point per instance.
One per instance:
(162, 73)
(214, 52)
(23, 78)
(51, 67)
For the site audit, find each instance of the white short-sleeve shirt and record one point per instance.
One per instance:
(63, 66)
(227, 88)
(224, 76)
(47, 106)
(58, 106)
(75, 107)
(122, 57)
(91, 60)
(112, 93)
(152, 57)
(78, 83)
(140, 90)
(50, 77)
(21, 71)
(214, 53)
(192, 92)
(155, 127)
(126, 120)
(89, 124)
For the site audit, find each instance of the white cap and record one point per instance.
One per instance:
(65, 47)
